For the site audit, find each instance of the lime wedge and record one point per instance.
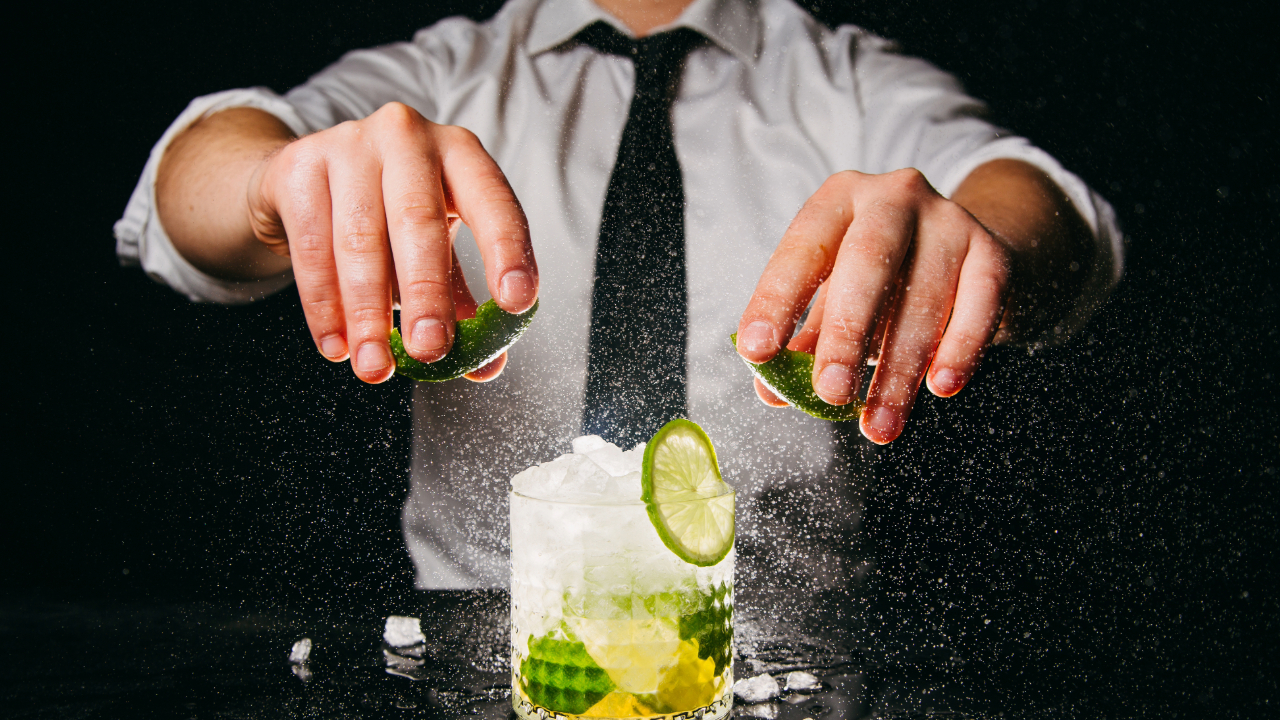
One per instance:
(477, 342)
(690, 506)
(790, 376)
(560, 675)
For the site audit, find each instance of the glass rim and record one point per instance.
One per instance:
(511, 492)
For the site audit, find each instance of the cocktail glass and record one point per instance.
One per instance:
(606, 621)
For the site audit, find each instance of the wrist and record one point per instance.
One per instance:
(201, 189)
(261, 217)
(1049, 244)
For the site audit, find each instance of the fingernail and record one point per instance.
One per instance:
(835, 383)
(758, 337)
(947, 382)
(515, 288)
(372, 358)
(429, 334)
(881, 425)
(333, 347)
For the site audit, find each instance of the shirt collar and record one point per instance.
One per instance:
(734, 25)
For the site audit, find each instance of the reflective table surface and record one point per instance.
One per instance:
(204, 660)
(207, 660)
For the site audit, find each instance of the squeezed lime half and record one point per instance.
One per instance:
(477, 342)
(690, 505)
(790, 376)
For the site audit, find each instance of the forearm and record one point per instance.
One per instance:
(1050, 244)
(201, 192)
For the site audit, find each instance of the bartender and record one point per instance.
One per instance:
(658, 174)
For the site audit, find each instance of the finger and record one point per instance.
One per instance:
(917, 320)
(299, 188)
(363, 258)
(979, 306)
(490, 371)
(464, 302)
(418, 229)
(803, 259)
(480, 194)
(802, 342)
(861, 282)
(767, 397)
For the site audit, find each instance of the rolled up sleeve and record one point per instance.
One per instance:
(919, 116)
(355, 86)
(141, 238)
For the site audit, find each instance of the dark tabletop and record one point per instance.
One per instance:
(878, 654)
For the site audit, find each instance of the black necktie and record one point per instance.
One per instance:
(636, 369)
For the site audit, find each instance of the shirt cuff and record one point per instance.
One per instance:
(141, 239)
(1109, 242)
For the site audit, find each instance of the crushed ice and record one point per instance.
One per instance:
(597, 472)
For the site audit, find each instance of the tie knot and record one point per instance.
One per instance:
(657, 57)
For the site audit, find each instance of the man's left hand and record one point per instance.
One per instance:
(909, 281)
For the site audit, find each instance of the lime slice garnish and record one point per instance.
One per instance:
(690, 506)
(477, 342)
(790, 376)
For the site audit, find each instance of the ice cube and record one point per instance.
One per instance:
(629, 485)
(539, 481)
(584, 481)
(757, 689)
(300, 652)
(802, 681)
(635, 456)
(588, 443)
(403, 631)
(597, 472)
(608, 456)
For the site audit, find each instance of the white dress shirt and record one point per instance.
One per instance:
(773, 105)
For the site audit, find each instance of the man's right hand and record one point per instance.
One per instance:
(365, 212)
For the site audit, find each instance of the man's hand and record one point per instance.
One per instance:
(365, 212)
(911, 282)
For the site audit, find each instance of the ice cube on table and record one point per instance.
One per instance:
(403, 631)
(757, 689)
(300, 652)
(799, 680)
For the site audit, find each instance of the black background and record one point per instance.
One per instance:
(1109, 506)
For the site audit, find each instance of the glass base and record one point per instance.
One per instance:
(717, 710)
